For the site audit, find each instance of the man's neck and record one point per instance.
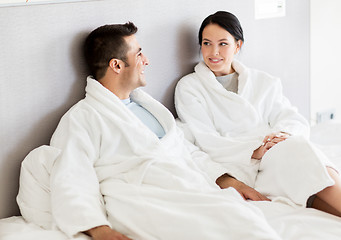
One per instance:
(114, 86)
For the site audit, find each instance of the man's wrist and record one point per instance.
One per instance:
(93, 231)
(224, 180)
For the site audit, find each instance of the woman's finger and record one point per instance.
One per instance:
(277, 140)
(269, 145)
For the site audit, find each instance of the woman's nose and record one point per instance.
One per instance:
(215, 50)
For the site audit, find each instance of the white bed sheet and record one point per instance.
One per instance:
(297, 223)
(291, 222)
(327, 136)
(16, 228)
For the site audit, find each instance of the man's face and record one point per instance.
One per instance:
(133, 74)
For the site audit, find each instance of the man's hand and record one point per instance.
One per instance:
(268, 142)
(105, 233)
(247, 192)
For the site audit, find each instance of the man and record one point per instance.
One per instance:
(124, 171)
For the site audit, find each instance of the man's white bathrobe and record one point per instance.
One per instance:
(151, 188)
(230, 126)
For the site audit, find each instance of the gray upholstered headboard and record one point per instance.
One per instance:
(42, 71)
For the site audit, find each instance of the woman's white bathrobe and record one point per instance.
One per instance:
(230, 126)
(151, 188)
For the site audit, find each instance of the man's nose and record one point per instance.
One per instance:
(145, 60)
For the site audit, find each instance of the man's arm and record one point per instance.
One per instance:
(105, 233)
(247, 192)
(76, 201)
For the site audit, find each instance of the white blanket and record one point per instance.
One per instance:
(229, 127)
(152, 188)
(290, 222)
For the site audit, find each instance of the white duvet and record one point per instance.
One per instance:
(289, 221)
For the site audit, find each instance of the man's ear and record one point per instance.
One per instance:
(115, 65)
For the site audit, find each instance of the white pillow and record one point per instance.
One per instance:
(34, 198)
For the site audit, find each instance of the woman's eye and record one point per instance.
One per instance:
(223, 44)
(206, 43)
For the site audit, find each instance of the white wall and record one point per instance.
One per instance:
(43, 74)
(325, 57)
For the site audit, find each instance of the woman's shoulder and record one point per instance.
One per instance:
(263, 77)
(242, 70)
(262, 73)
(188, 77)
(187, 81)
(200, 70)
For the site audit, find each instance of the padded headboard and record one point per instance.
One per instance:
(43, 73)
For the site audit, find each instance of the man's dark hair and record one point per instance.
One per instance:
(105, 43)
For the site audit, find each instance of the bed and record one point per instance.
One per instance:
(291, 222)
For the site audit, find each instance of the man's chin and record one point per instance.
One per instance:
(143, 83)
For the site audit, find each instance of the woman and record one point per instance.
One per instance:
(241, 119)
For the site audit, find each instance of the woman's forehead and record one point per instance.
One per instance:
(215, 32)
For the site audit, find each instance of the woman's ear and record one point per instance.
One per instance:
(115, 65)
(239, 44)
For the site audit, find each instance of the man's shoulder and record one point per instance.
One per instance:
(80, 110)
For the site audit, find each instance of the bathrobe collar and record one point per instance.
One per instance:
(209, 79)
(109, 104)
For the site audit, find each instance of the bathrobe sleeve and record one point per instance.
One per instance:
(201, 159)
(233, 154)
(283, 116)
(77, 203)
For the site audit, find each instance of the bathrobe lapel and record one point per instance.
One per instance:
(134, 130)
(240, 111)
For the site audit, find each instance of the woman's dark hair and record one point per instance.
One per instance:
(105, 43)
(226, 20)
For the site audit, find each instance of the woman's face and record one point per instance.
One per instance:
(218, 48)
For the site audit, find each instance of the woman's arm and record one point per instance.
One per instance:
(268, 142)
(232, 153)
(283, 116)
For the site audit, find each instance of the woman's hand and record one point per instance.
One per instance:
(244, 190)
(105, 233)
(268, 142)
